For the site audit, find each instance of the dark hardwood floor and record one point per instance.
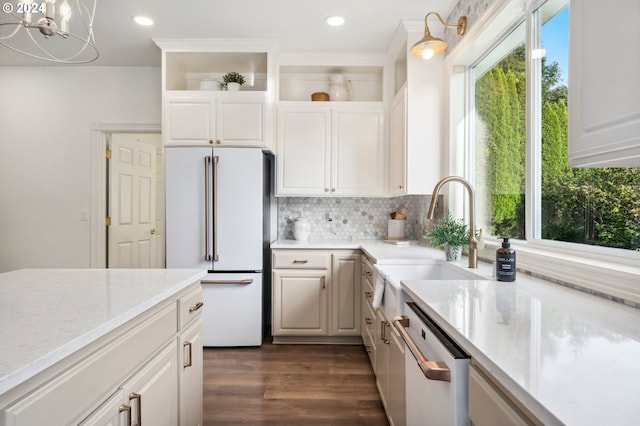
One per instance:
(290, 385)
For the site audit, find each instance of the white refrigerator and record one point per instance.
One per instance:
(217, 219)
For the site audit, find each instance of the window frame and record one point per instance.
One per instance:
(607, 271)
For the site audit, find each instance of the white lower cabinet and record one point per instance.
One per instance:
(114, 412)
(389, 369)
(129, 375)
(152, 393)
(190, 364)
(489, 406)
(385, 348)
(316, 293)
(300, 302)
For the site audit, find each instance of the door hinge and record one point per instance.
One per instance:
(107, 221)
(107, 153)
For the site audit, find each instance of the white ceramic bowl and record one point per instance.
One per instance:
(210, 85)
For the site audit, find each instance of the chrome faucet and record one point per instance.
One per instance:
(473, 242)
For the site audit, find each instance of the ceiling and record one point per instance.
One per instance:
(298, 25)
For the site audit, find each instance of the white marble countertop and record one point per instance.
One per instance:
(379, 251)
(570, 357)
(48, 314)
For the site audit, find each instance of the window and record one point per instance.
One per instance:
(525, 187)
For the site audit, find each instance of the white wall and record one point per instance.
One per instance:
(46, 114)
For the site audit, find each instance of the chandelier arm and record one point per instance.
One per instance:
(18, 26)
(87, 15)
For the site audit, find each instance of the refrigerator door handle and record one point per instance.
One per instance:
(207, 167)
(215, 208)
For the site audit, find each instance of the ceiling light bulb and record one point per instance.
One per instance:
(427, 53)
(335, 21)
(143, 20)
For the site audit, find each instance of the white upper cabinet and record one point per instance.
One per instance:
(227, 119)
(334, 148)
(326, 149)
(192, 116)
(415, 136)
(398, 144)
(604, 92)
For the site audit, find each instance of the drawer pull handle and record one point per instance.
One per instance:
(434, 370)
(188, 363)
(127, 408)
(196, 307)
(369, 321)
(369, 273)
(300, 261)
(369, 294)
(245, 281)
(137, 396)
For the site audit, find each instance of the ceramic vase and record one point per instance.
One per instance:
(452, 253)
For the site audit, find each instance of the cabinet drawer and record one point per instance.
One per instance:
(189, 306)
(368, 272)
(298, 259)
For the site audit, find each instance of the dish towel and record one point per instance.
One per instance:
(378, 291)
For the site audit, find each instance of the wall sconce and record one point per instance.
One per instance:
(429, 45)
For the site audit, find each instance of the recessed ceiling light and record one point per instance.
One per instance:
(335, 21)
(143, 20)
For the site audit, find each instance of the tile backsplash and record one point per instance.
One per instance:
(349, 219)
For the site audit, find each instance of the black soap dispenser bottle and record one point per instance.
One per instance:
(506, 262)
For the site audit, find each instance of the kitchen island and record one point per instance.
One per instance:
(561, 356)
(81, 342)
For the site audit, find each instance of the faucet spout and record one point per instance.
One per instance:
(473, 242)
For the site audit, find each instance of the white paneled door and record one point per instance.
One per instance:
(132, 203)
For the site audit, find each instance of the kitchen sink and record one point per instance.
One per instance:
(394, 298)
(433, 271)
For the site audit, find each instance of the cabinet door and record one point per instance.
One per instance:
(357, 151)
(152, 392)
(303, 144)
(398, 144)
(188, 121)
(300, 302)
(382, 357)
(396, 396)
(604, 99)
(114, 412)
(345, 288)
(241, 122)
(190, 367)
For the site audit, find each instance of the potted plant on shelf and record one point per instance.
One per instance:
(451, 233)
(233, 80)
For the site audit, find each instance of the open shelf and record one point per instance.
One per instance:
(185, 70)
(297, 83)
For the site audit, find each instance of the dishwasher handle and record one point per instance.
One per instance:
(433, 370)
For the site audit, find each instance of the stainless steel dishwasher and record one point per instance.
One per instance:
(436, 372)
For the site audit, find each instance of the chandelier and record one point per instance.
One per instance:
(60, 33)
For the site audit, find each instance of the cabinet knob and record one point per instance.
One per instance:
(211, 141)
(218, 141)
(333, 190)
(326, 190)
